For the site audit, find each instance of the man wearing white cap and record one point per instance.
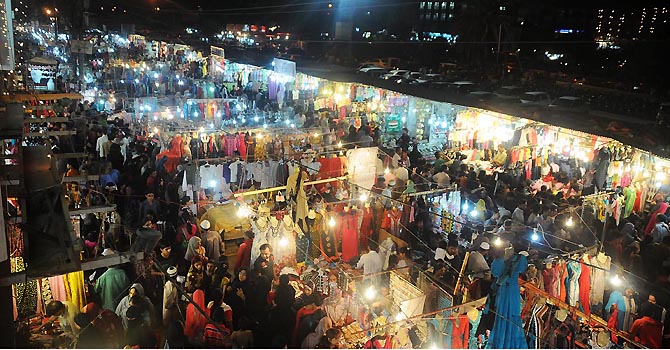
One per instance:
(477, 265)
(211, 240)
(170, 297)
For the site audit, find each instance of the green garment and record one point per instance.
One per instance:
(111, 287)
(629, 198)
(438, 165)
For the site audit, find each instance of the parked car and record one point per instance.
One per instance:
(394, 74)
(408, 77)
(570, 103)
(427, 79)
(509, 92)
(535, 98)
(373, 71)
(461, 87)
(482, 96)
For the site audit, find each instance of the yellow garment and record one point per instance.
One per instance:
(500, 157)
(296, 191)
(259, 151)
(481, 209)
(74, 288)
(224, 217)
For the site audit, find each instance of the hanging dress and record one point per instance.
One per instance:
(349, 227)
(366, 228)
(508, 332)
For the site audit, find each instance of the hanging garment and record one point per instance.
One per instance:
(349, 227)
(460, 332)
(474, 324)
(74, 286)
(507, 329)
(392, 221)
(585, 287)
(328, 244)
(295, 190)
(562, 277)
(260, 238)
(616, 298)
(57, 284)
(574, 273)
(662, 208)
(598, 274)
(550, 277)
(313, 229)
(629, 199)
(366, 227)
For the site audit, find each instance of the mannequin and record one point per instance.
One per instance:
(313, 228)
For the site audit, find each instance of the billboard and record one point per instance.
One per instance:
(284, 67)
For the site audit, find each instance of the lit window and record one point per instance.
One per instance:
(451, 5)
(444, 5)
(451, 15)
(423, 4)
(502, 8)
(444, 16)
(430, 5)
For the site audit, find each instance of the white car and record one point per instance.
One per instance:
(427, 78)
(394, 74)
(372, 71)
(535, 98)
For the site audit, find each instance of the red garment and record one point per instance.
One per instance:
(585, 288)
(613, 321)
(637, 207)
(652, 219)
(648, 332)
(391, 221)
(330, 167)
(195, 321)
(366, 227)
(244, 254)
(460, 332)
(374, 343)
(563, 275)
(213, 338)
(349, 225)
(242, 146)
(550, 277)
(298, 316)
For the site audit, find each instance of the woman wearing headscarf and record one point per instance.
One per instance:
(195, 320)
(194, 249)
(107, 323)
(314, 338)
(305, 314)
(236, 294)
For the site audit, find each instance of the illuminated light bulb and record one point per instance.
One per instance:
(316, 134)
(155, 117)
(403, 119)
(658, 184)
(180, 83)
(196, 114)
(433, 347)
(265, 126)
(660, 176)
(202, 129)
(339, 144)
(616, 281)
(259, 136)
(569, 223)
(244, 120)
(212, 183)
(386, 171)
(155, 130)
(283, 242)
(465, 207)
(370, 293)
(292, 125)
(535, 237)
(256, 118)
(473, 212)
(155, 75)
(497, 242)
(364, 197)
(331, 222)
(400, 316)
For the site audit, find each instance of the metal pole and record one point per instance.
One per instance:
(499, 35)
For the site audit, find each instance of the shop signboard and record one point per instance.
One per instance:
(393, 123)
(81, 46)
(217, 51)
(284, 67)
(363, 166)
(42, 73)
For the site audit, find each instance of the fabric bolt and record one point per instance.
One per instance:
(57, 284)
(74, 287)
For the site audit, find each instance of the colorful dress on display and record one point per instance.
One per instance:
(283, 242)
(585, 287)
(507, 329)
(574, 273)
(313, 228)
(366, 227)
(349, 229)
(460, 332)
(329, 244)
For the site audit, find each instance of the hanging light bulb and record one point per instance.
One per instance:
(400, 316)
(339, 144)
(474, 212)
(386, 171)
(616, 281)
(497, 242)
(465, 207)
(535, 237)
(569, 223)
(283, 242)
(331, 222)
(370, 293)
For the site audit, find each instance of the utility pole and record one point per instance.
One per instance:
(499, 36)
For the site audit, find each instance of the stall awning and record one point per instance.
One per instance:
(25, 97)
